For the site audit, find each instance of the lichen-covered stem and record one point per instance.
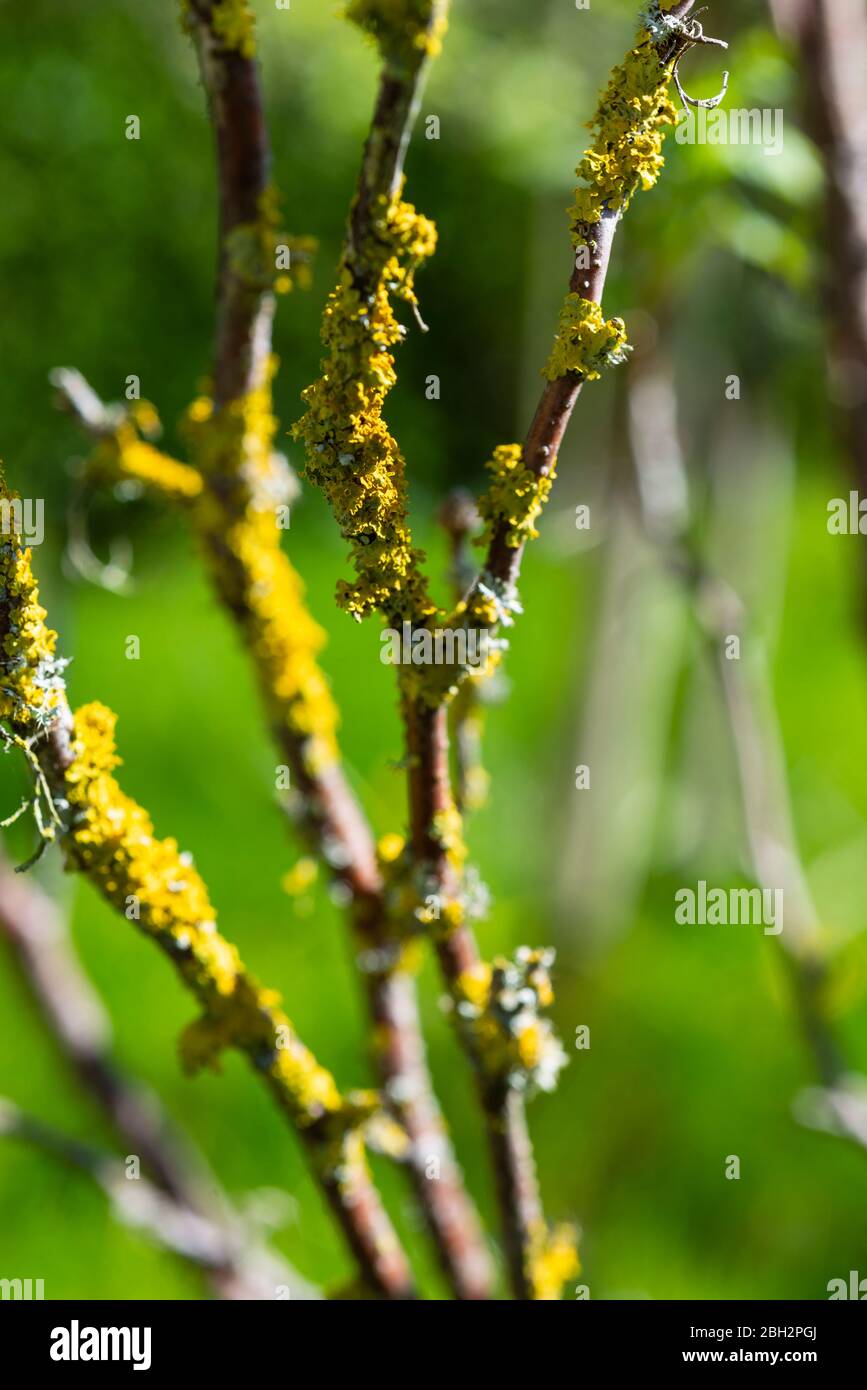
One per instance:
(556, 404)
(330, 817)
(343, 1177)
(351, 454)
(518, 1197)
(404, 71)
(236, 1011)
(110, 839)
(626, 156)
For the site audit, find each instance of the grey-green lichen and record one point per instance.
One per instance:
(499, 1005)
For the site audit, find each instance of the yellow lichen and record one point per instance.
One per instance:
(626, 155)
(350, 453)
(629, 129)
(264, 256)
(448, 830)
(404, 30)
(235, 26)
(300, 877)
(110, 839)
(390, 847)
(514, 498)
(474, 985)
(31, 686)
(239, 526)
(586, 342)
(124, 454)
(552, 1261)
(232, 23)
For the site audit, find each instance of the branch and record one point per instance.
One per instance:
(232, 437)
(353, 458)
(625, 157)
(75, 1017)
(351, 454)
(238, 1269)
(242, 551)
(109, 839)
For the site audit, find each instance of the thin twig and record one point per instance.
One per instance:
(459, 518)
(76, 1018)
(238, 1268)
(758, 748)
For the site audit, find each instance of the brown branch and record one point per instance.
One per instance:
(554, 411)
(244, 312)
(430, 803)
(559, 397)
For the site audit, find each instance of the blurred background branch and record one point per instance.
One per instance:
(180, 1204)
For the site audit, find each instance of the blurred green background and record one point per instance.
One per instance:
(106, 263)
